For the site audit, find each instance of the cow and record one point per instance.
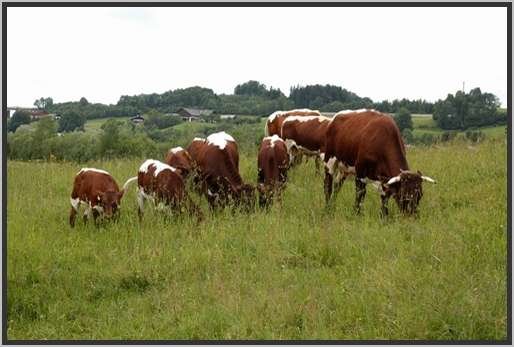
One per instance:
(98, 190)
(163, 185)
(304, 135)
(217, 162)
(368, 144)
(180, 159)
(274, 122)
(272, 164)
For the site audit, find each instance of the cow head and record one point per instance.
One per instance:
(110, 202)
(407, 190)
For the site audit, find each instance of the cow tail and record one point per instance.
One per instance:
(130, 180)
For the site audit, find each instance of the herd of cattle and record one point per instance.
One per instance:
(364, 143)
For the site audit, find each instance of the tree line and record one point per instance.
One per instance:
(459, 111)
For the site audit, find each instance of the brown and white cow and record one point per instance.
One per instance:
(272, 166)
(163, 185)
(180, 159)
(368, 143)
(98, 190)
(274, 122)
(305, 135)
(217, 162)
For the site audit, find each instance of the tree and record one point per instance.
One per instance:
(403, 119)
(19, 117)
(83, 101)
(43, 103)
(407, 135)
(71, 121)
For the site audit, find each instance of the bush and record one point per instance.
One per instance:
(19, 117)
(403, 119)
(475, 136)
(71, 121)
(448, 136)
(407, 135)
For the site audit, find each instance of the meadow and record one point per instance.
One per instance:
(297, 271)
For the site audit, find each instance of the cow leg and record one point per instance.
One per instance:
(96, 214)
(74, 209)
(87, 214)
(328, 186)
(140, 203)
(73, 214)
(317, 160)
(384, 209)
(360, 193)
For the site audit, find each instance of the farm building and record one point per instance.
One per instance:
(35, 113)
(228, 116)
(194, 114)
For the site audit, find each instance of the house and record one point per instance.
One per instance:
(137, 119)
(35, 113)
(194, 114)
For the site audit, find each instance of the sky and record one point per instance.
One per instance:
(381, 53)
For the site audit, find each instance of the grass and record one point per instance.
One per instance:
(294, 272)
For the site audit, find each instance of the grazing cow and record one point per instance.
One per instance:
(369, 145)
(98, 190)
(305, 135)
(163, 185)
(180, 159)
(217, 161)
(272, 163)
(274, 122)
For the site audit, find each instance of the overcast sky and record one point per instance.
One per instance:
(381, 53)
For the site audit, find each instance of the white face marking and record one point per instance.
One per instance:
(159, 166)
(219, 139)
(320, 119)
(175, 150)
(75, 203)
(93, 169)
(273, 139)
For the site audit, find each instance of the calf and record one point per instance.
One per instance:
(217, 160)
(368, 144)
(163, 185)
(180, 159)
(272, 163)
(98, 190)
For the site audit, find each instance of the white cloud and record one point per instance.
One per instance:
(382, 53)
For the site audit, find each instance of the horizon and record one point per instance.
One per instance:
(133, 51)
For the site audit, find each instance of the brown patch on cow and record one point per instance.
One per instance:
(274, 126)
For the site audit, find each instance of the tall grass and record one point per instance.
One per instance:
(296, 271)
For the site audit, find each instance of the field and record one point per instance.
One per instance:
(297, 271)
